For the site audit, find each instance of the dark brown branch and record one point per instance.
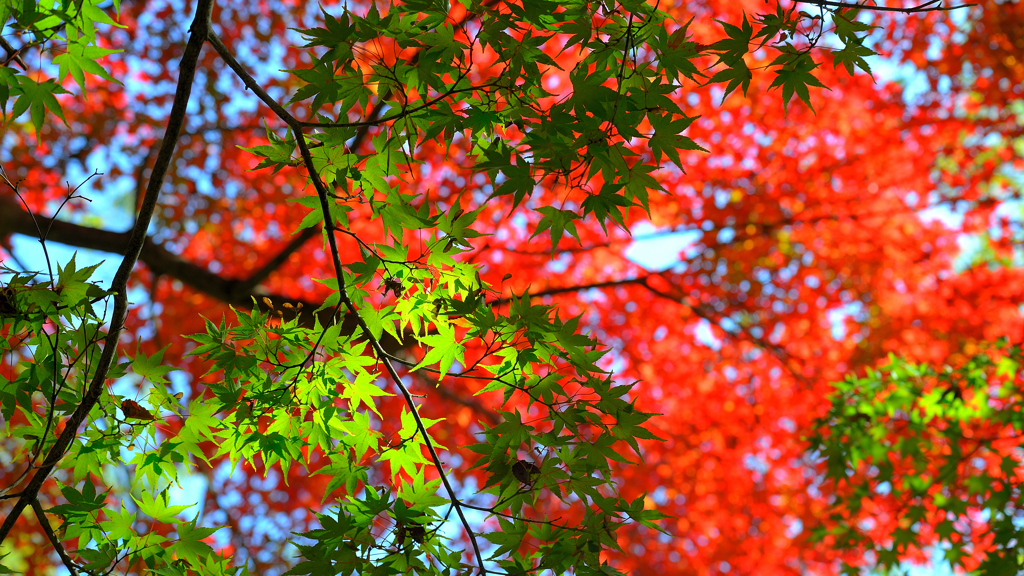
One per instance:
(701, 311)
(251, 82)
(292, 122)
(406, 112)
(15, 220)
(930, 6)
(57, 545)
(162, 262)
(372, 120)
(575, 288)
(697, 309)
(199, 30)
(324, 197)
(140, 174)
(13, 54)
(248, 285)
(353, 313)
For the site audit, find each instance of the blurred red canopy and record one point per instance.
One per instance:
(814, 243)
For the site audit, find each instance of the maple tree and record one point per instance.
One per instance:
(458, 367)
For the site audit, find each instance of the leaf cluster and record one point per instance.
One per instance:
(936, 444)
(319, 392)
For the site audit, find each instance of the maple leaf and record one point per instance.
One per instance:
(736, 75)
(557, 221)
(396, 343)
(80, 59)
(732, 49)
(794, 76)
(668, 139)
(36, 98)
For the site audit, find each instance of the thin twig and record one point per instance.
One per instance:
(324, 197)
(930, 6)
(199, 30)
(322, 193)
(250, 82)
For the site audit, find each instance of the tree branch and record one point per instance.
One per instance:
(378, 349)
(48, 530)
(576, 288)
(249, 284)
(353, 312)
(239, 293)
(199, 30)
(13, 54)
(929, 6)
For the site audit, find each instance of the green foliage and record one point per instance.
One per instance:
(74, 24)
(933, 441)
(794, 65)
(279, 387)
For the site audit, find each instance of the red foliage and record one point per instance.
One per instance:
(816, 244)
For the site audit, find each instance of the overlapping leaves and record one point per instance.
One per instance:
(281, 392)
(940, 444)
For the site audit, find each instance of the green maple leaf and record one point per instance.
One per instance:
(608, 203)
(156, 506)
(557, 221)
(36, 98)
(445, 349)
(736, 75)
(152, 367)
(362, 437)
(321, 85)
(190, 545)
(668, 138)
(336, 34)
(853, 55)
(421, 493)
(81, 58)
(640, 182)
(519, 182)
(732, 49)
(794, 77)
(362, 390)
